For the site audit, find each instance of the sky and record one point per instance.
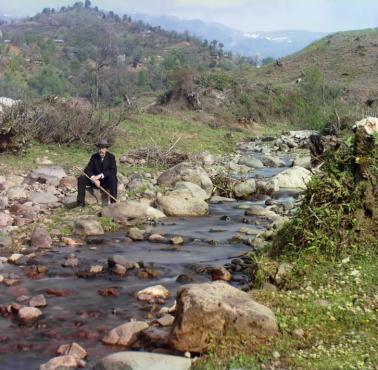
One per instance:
(245, 15)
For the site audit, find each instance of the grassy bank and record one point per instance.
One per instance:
(335, 304)
(136, 132)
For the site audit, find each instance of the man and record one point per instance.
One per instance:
(102, 171)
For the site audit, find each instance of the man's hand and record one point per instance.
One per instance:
(96, 180)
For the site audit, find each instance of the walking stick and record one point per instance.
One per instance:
(100, 187)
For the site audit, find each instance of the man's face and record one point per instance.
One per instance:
(102, 151)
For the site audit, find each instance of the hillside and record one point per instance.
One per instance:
(346, 59)
(75, 50)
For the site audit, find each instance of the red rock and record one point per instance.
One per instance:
(220, 273)
(60, 292)
(109, 292)
(41, 238)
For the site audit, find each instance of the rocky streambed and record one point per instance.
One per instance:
(66, 293)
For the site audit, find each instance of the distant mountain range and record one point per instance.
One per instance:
(276, 44)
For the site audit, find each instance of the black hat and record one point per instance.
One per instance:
(103, 143)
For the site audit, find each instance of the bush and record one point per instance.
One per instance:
(339, 211)
(56, 121)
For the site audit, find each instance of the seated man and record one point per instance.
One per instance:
(102, 171)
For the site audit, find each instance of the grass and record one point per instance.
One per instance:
(339, 335)
(138, 131)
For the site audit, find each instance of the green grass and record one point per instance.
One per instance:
(139, 131)
(340, 336)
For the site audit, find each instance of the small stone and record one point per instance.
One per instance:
(72, 349)
(157, 291)
(119, 270)
(177, 240)
(15, 257)
(276, 355)
(96, 269)
(28, 315)
(38, 301)
(63, 362)
(126, 334)
(298, 333)
(166, 320)
(157, 238)
(109, 292)
(41, 238)
(136, 234)
(220, 273)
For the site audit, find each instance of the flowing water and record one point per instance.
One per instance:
(83, 315)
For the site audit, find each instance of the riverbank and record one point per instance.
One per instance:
(307, 295)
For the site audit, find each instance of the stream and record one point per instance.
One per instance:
(82, 315)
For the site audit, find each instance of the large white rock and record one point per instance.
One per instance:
(181, 203)
(122, 212)
(211, 309)
(143, 361)
(293, 178)
(7, 102)
(189, 172)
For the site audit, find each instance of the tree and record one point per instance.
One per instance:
(87, 4)
(106, 53)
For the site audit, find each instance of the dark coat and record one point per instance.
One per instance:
(108, 167)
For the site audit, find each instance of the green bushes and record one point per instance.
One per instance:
(339, 211)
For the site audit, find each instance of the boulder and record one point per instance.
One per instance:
(142, 361)
(212, 309)
(122, 212)
(181, 203)
(16, 192)
(42, 197)
(126, 334)
(63, 362)
(195, 190)
(88, 226)
(49, 174)
(251, 162)
(295, 177)
(41, 238)
(245, 188)
(188, 172)
(218, 199)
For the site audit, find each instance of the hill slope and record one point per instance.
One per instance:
(346, 59)
(78, 49)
